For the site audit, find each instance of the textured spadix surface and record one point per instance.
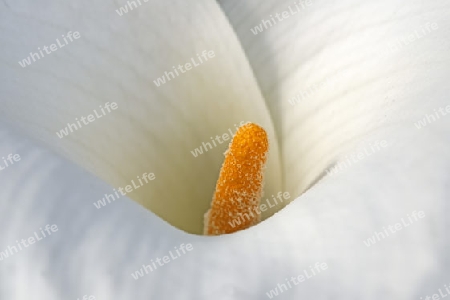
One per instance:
(252, 77)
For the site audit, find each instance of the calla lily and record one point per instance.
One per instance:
(389, 67)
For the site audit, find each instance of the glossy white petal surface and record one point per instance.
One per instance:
(154, 128)
(376, 99)
(359, 72)
(95, 252)
(348, 66)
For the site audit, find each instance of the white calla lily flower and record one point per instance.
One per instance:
(354, 91)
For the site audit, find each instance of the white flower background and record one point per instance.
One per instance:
(251, 78)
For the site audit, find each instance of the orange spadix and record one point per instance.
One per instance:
(240, 184)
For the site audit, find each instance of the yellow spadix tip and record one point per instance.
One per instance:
(240, 184)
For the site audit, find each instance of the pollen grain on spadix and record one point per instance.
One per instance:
(239, 188)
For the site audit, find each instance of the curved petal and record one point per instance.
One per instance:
(333, 72)
(379, 199)
(124, 121)
(88, 251)
(329, 225)
(94, 252)
(340, 77)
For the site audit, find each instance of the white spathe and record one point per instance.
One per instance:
(117, 58)
(154, 129)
